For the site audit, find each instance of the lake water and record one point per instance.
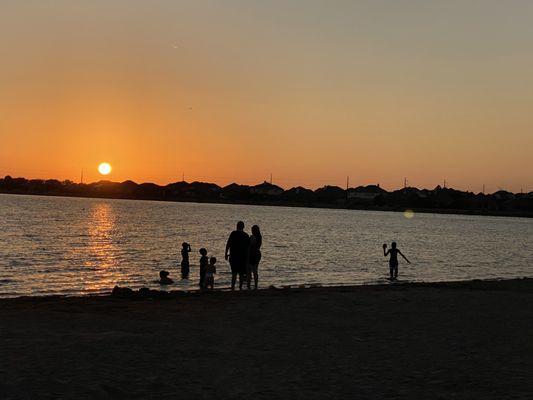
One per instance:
(71, 246)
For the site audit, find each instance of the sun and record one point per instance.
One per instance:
(104, 168)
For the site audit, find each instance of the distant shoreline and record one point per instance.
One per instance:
(444, 211)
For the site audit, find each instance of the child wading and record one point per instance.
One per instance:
(393, 262)
(164, 279)
(204, 262)
(186, 249)
(210, 273)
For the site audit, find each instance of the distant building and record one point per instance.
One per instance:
(266, 189)
(412, 191)
(235, 191)
(299, 194)
(503, 195)
(330, 194)
(369, 192)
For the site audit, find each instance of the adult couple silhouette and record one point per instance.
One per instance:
(244, 254)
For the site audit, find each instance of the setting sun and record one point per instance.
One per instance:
(104, 168)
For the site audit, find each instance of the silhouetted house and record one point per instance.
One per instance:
(330, 194)
(176, 190)
(105, 188)
(299, 195)
(203, 190)
(150, 191)
(441, 197)
(503, 195)
(235, 192)
(266, 189)
(415, 192)
(365, 193)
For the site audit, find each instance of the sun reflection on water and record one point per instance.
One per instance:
(102, 248)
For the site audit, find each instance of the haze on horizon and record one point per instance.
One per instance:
(310, 91)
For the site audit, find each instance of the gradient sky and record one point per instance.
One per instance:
(310, 91)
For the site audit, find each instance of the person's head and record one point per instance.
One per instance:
(393, 245)
(163, 274)
(185, 245)
(240, 226)
(256, 231)
(203, 251)
(213, 260)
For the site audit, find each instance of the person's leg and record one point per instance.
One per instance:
(248, 276)
(233, 279)
(396, 271)
(241, 280)
(256, 277)
(391, 271)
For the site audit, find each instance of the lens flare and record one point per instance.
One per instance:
(408, 214)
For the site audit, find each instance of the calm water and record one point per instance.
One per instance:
(54, 245)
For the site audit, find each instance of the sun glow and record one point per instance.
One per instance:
(104, 168)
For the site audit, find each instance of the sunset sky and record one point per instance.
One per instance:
(310, 91)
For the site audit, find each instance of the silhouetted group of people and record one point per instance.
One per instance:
(243, 252)
(207, 268)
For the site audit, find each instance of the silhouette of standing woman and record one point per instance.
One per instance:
(393, 262)
(256, 241)
(238, 246)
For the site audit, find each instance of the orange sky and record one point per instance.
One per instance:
(310, 91)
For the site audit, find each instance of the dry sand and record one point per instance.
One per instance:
(471, 340)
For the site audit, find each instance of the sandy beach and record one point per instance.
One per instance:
(470, 340)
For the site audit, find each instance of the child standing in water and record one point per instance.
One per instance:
(186, 249)
(204, 262)
(210, 273)
(393, 261)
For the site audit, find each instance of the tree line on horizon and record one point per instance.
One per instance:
(361, 197)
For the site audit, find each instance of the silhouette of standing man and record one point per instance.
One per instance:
(239, 247)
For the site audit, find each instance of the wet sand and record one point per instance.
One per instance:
(471, 340)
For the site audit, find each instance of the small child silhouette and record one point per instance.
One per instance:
(204, 261)
(210, 273)
(186, 249)
(164, 279)
(393, 261)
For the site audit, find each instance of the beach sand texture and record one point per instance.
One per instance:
(471, 340)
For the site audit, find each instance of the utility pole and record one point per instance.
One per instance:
(183, 176)
(271, 178)
(347, 182)
(81, 178)
(483, 188)
(405, 183)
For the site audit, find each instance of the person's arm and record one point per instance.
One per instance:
(385, 251)
(228, 244)
(404, 257)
